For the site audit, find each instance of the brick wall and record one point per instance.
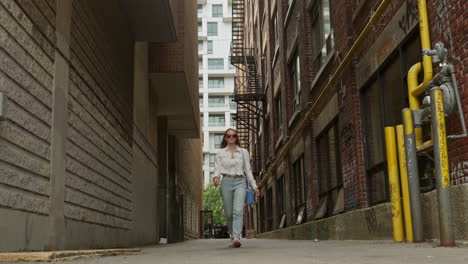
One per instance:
(446, 21)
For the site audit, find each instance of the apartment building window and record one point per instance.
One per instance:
(212, 29)
(296, 81)
(216, 120)
(200, 63)
(217, 10)
(276, 29)
(210, 46)
(329, 169)
(211, 176)
(299, 194)
(232, 103)
(217, 140)
(200, 46)
(200, 27)
(322, 32)
(280, 202)
(200, 9)
(215, 64)
(278, 115)
(383, 98)
(212, 160)
(233, 121)
(230, 66)
(215, 82)
(200, 82)
(201, 101)
(216, 101)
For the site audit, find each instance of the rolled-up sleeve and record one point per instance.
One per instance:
(218, 164)
(248, 170)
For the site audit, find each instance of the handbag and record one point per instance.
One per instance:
(249, 191)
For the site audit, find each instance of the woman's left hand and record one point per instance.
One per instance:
(257, 192)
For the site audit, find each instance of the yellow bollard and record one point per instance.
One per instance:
(394, 181)
(404, 183)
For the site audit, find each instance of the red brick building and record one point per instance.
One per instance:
(317, 143)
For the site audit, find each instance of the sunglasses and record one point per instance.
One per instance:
(231, 136)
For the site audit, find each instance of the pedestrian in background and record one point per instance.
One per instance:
(232, 168)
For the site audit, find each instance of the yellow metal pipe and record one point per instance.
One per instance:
(404, 183)
(413, 97)
(394, 181)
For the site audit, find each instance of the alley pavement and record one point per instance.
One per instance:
(259, 251)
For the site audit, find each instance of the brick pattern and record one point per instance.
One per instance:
(447, 22)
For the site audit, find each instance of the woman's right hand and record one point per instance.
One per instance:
(216, 181)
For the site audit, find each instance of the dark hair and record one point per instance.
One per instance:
(224, 143)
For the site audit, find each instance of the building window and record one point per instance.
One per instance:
(200, 63)
(200, 27)
(201, 101)
(216, 120)
(217, 10)
(280, 202)
(322, 32)
(210, 46)
(232, 103)
(278, 115)
(215, 82)
(212, 29)
(230, 66)
(200, 9)
(276, 29)
(211, 176)
(215, 64)
(233, 121)
(329, 169)
(269, 210)
(212, 160)
(216, 101)
(383, 98)
(200, 46)
(217, 140)
(298, 183)
(296, 81)
(200, 83)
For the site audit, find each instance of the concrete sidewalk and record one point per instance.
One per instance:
(259, 251)
(28, 257)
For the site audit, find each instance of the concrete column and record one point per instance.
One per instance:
(59, 126)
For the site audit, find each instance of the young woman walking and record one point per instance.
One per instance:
(229, 166)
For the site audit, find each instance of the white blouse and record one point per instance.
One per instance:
(225, 164)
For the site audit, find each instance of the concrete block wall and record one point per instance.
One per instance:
(78, 160)
(26, 72)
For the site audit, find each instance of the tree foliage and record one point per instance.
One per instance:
(212, 201)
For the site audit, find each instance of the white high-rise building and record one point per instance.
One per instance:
(216, 77)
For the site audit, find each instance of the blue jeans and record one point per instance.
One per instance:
(233, 193)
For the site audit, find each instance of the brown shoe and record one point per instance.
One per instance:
(236, 243)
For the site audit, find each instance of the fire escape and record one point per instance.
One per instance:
(248, 91)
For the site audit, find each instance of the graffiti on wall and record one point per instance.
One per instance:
(443, 8)
(409, 17)
(459, 170)
(371, 220)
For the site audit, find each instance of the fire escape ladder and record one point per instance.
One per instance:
(248, 91)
